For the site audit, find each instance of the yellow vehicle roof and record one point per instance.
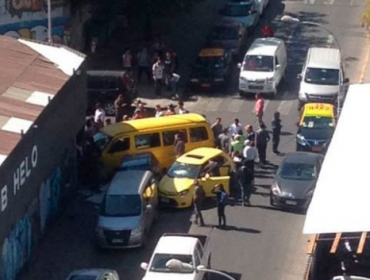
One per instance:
(212, 52)
(151, 123)
(318, 109)
(199, 156)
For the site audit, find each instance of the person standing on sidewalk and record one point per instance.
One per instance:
(250, 155)
(222, 199)
(262, 139)
(276, 130)
(245, 182)
(259, 107)
(143, 62)
(198, 198)
(158, 69)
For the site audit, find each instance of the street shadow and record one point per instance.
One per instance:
(236, 276)
(286, 133)
(263, 194)
(234, 228)
(285, 210)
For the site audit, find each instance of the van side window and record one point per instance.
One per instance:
(169, 136)
(147, 141)
(121, 145)
(200, 250)
(276, 61)
(198, 134)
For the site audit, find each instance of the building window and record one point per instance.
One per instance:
(198, 134)
(146, 141)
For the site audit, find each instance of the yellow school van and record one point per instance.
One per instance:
(154, 135)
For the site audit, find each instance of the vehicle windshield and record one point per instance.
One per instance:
(321, 76)
(210, 62)
(121, 206)
(238, 10)
(221, 33)
(317, 122)
(159, 263)
(298, 171)
(102, 140)
(183, 170)
(260, 63)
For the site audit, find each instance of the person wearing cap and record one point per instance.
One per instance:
(158, 111)
(170, 110)
(182, 110)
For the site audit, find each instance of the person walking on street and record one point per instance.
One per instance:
(179, 145)
(158, 76)
(222, 198)
(250, 135)
(223, 141)
(119, 106)
(259, 107)
(198, 198)
(217, 128)
(276, 130)
(236, 128)
(262, 138)
(143, 62)
(182, 109)
(245, 182)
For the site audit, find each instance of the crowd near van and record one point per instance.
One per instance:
(154, 135)
(263, 67)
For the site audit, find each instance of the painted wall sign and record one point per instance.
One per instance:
(20, 176)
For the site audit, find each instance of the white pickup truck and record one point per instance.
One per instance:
(190, 250)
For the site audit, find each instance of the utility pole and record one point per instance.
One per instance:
(50, 38)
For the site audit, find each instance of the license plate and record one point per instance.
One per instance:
(117, 241)
(291, 202)
(206, 85)
(316, 149)
(164, 199)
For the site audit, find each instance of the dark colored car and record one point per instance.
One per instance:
(93, 274)
(143, 161)
(295, 180)
(104, 87)
(211, 70)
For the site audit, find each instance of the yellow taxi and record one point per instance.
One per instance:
(315, 127)
(209, 165)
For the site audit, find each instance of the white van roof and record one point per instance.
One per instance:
(128, 182)
(264, 46)
(324, 58)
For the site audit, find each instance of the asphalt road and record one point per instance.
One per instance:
(260, 242)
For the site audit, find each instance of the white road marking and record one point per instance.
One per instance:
(285, 106)
(213, 104)
(235, 105)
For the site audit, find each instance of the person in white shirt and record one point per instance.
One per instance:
(158, 111)
(249, 152)
(236, 128)
(99, 115)
(158, 69)
(182, 110)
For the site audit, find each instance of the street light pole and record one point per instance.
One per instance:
(50, 38)
(287, 18)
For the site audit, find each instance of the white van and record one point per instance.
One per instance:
(322, 76)
(263, 67)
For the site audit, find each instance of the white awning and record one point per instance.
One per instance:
(341, 202)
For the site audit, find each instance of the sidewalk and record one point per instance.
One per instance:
(184, 34)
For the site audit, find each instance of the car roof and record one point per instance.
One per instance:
(324, 58)
(97, 272)
(151, 123)
(318, 109)
(302, 157)
(176, 245)
(128, 182)
(106, 73)
(212, 52)
(264, 46)
(199, 156)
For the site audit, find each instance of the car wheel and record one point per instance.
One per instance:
(109, 108)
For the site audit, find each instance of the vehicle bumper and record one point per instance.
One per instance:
(268, 88)
(317, 98)
(308, 148)
(289, 203)
(133, 242)
(175, 201)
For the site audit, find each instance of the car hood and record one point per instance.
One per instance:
(245, 20)
(256, 75)
(175, 185)
(318, 89)
(296, 189)
(119, 223)
(168, 276)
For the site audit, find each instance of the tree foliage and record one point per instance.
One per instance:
(366, 17)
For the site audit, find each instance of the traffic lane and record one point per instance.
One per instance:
(69, 245)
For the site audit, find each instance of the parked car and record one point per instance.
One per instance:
(93, 274)
(295, 180)
(244, 12)
(315, 127)
(128, 210)
(104, 87)
(142, 161)
(176, 187)
(212, 69)
(262, 5)
(229, 35)
(192, 250)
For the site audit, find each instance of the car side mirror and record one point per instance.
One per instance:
(144, 266)
(239, 65)
(299, 76)
(278, 66)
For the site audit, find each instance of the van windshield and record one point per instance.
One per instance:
(321, 76)
(183, 170)
(102, 140)
(121, 206)
(261, 63)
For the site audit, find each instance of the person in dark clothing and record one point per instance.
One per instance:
(168, 69)
(276, 130)
(91, 164)
(198, 198)
(212, 168)
(221, 198)
(245, 179)
(250, 135)
(262, 139)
